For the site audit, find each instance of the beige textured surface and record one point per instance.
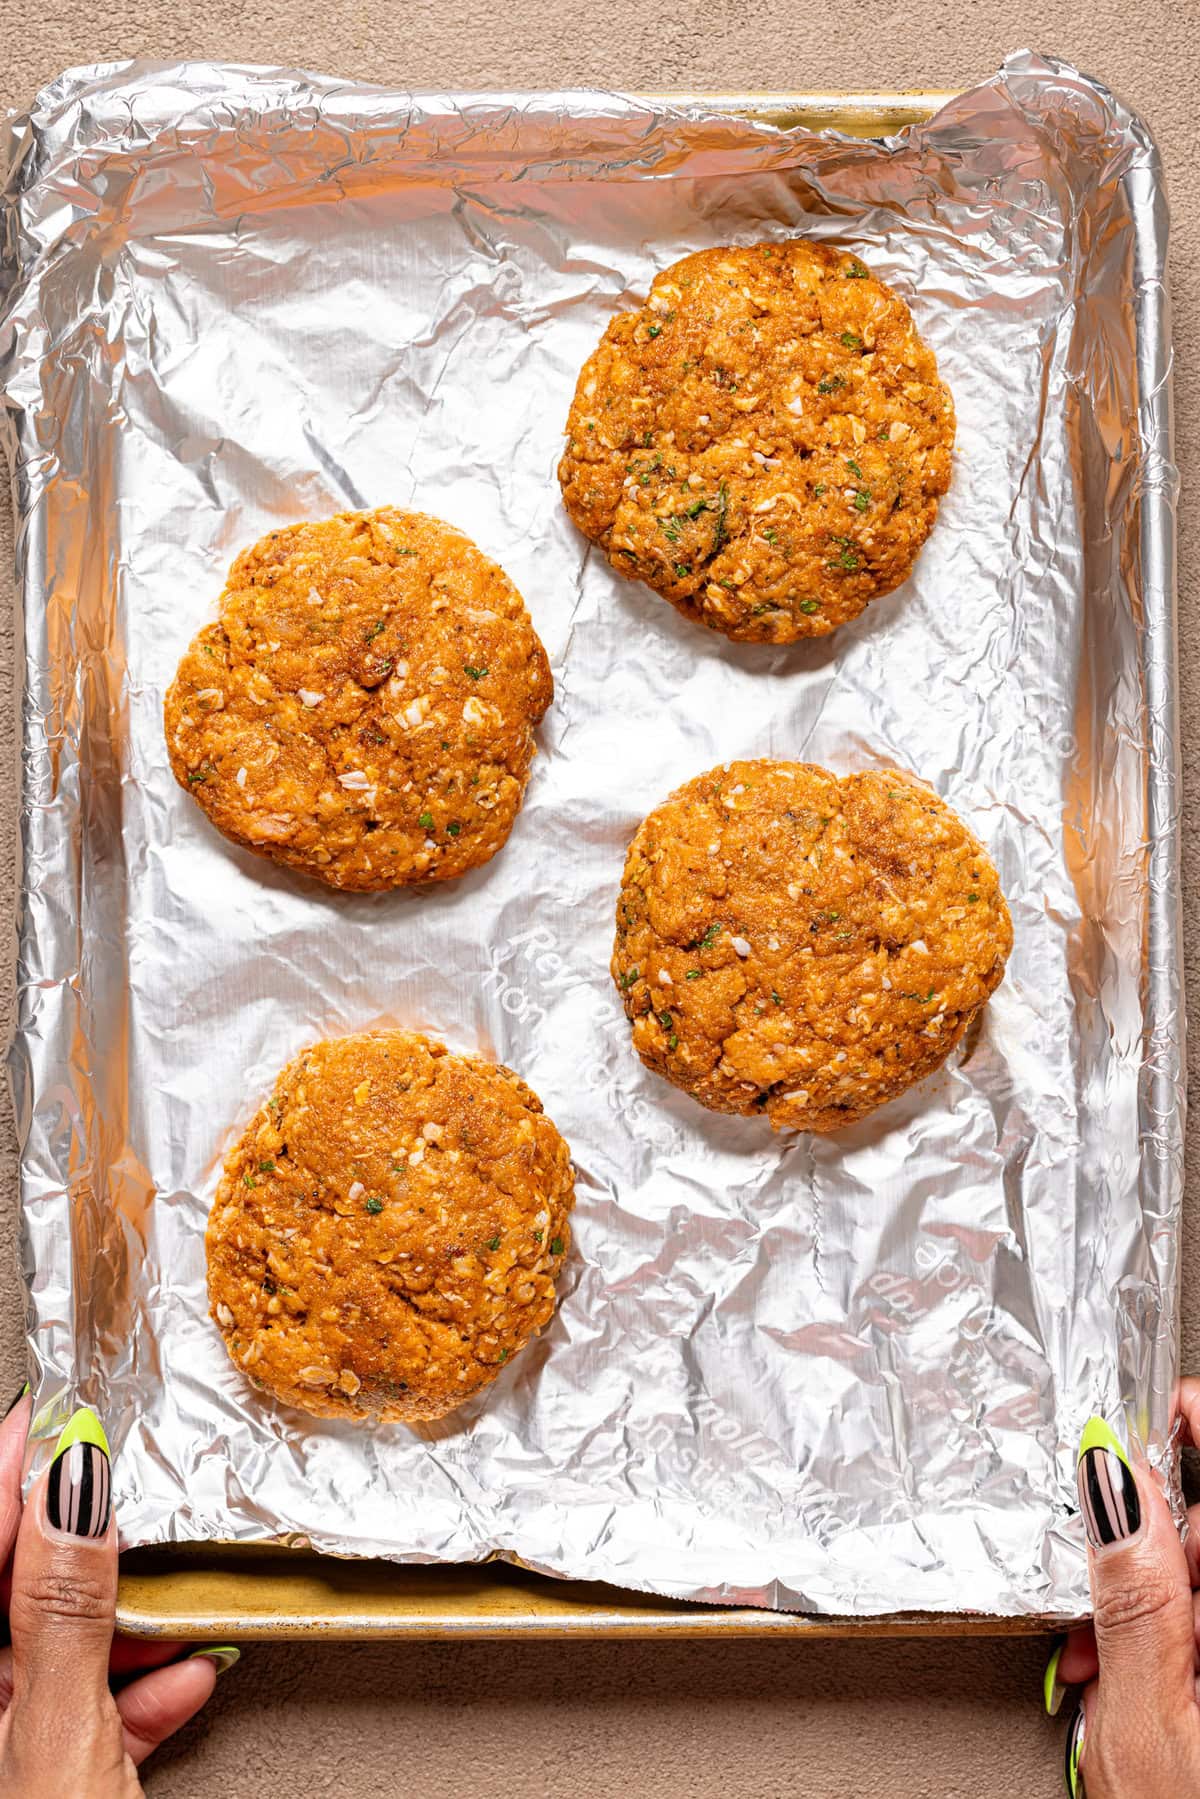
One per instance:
(907, 1721)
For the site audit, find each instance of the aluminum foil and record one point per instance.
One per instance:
(843, 1375)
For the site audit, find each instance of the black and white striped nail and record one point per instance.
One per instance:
(1108, 1495)
(79, 1489)
(1075, 1738)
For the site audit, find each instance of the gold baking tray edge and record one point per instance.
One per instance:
(222, 1592)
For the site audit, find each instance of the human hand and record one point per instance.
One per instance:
(63, 1729)
(1136, 1732)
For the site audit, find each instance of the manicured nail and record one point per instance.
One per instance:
(223, 1657)
(1052, 1692)
(79, 1491)
(1074, 1750)
(14, 1403)
(1108, 1495)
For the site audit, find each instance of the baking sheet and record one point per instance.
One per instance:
(839, 1375)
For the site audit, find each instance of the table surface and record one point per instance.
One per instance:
(930, 1720)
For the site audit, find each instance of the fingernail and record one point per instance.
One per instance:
(1075, 1738)
(14, 1403)
(79, 1491)
(1108, 1495)
(1052, 1692)
(223, 1657)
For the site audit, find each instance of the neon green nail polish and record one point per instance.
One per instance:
(1052, 1693)
(223, 1656)
(82, 1427)
(1097, 1435)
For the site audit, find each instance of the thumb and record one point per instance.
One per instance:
(1141, 1591)
(64, 1587)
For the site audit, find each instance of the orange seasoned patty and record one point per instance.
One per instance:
(364, 708)
(764, 442)
(804, 945)
(387, 1233)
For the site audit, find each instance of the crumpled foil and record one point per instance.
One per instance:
(838, 1374)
